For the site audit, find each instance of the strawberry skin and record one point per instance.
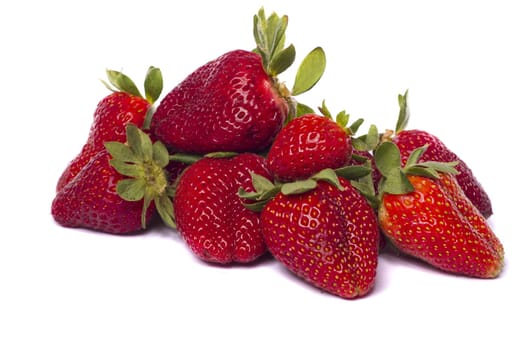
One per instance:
(428, 224)
(228, 104)
(326, 236)
(408, 140)
(111, 116)
(210, 215)
(307, 145)
(90, 200)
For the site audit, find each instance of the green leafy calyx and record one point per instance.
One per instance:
(153, 84)
(143, 163)
(265, 190)
(394, 177)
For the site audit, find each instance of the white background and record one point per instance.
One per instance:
(74, 289)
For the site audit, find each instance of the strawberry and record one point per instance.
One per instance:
(211, 217)
(327, 235)
(123, 106)
(409, 140)
(114, 192)
(425, 214)
(306, 145)
(235, 102)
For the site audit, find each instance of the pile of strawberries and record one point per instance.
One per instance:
(240, 168)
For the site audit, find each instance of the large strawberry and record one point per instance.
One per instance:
(327, 235)
(425, 214)
(125, 105)
(211, 217)
(409, 140)
(235, 102)
(307, 145)
(115, 191)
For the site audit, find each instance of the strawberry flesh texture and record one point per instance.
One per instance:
(326, 236)
(111, 116)
(210, 215)
(470, 212)
(408, 140)
(428, 225)
(90, 200)
(229, 104)
(307, 145)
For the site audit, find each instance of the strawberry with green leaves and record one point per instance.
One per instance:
(409, 140)
(324, 231)
(211, 217)
(236, 102)
(425, 214)
(119, 188)
(125, 105)
(309, 144)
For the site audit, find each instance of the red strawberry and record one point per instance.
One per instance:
(114, 191)
(209, 214)
(327, 236)
(307, 145)
(111, 116)
(409, 140)
(235, 102)
(91, 200)
(425, 214)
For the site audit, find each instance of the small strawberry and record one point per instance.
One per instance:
(123, 106)
(409, 140)
(307, 145)
(114, 191)
(425, 214)
(235, 102)
(327, 235)
(211, 217)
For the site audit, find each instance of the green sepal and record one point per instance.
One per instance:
(221, 155)
(372, 138)
(161, 155)
(415, 155)
(443, 167)
(185, 158)
(366, 188)
(396, 183)
(131, 189)
(422, 171)
(265, 190)
(355, 126)
(404, 112)
(261, 183)
(126, 168)
(139, 142)
(122, 82)
(282, 61)
(359, 143)
(121, 151)
(324, 110)
(269, 35)
(298, 187)
(342, 119)
(256, 207)
(353, 172)
(330, 176)
(388, 158)
(153, 84)
(302, 109)
(359, 158)
(164, 206)
(145, 205)
(310, 71)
